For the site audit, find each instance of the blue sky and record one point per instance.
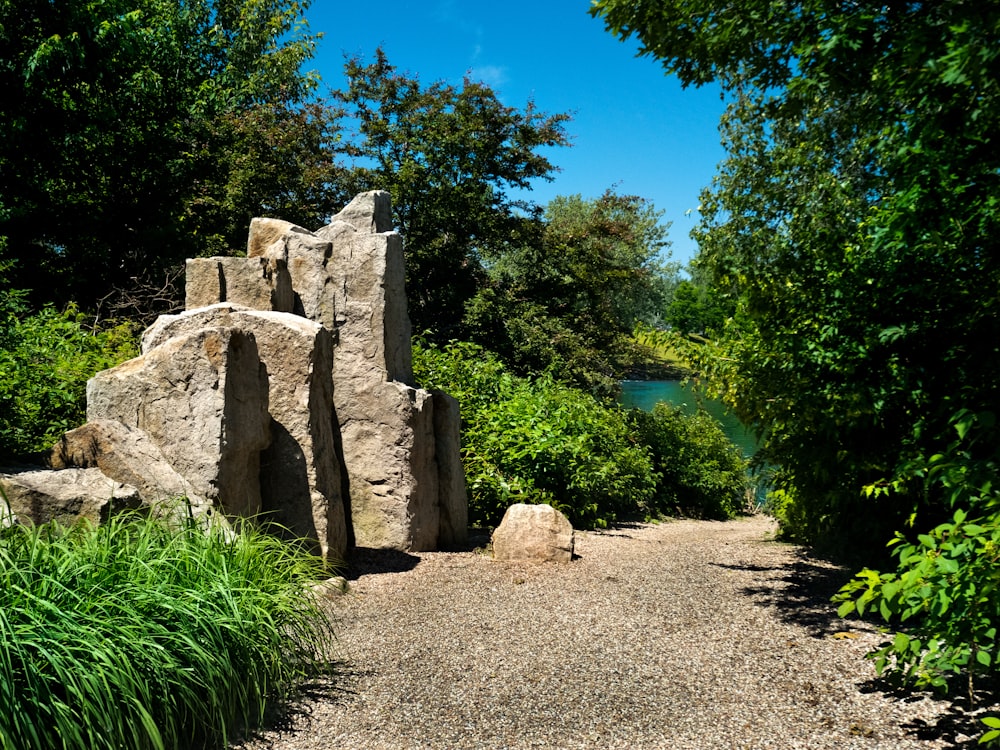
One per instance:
(633, 127)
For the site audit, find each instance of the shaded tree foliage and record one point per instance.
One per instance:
(449, 155)
(696, 306)
(568, 301)
(855, 220)
(137, 134)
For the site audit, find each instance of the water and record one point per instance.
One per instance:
(644, 394)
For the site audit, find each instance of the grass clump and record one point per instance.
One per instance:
(137, 635)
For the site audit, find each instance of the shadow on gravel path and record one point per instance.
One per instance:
(799, 592)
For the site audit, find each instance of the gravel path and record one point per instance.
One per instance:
(686, 634)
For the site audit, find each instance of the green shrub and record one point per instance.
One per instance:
(944, 600)
(942, 604)
(140, 636)
(45, 362)
(701, 473)
(538, 441)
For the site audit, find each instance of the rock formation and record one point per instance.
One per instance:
(202, 399)
(65, 496)
(351, 272)
(130, 457)
(300, 473)
(284, 392)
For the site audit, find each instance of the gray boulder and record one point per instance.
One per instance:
(39, 496)
(260, 283)
(453, 528)
(308, 259)
(300, 478)
(129, 456)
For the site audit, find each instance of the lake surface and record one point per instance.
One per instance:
(644, 394)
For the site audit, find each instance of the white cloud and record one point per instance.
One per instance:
(493, 76)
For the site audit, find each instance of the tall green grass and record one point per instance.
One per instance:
(135, 635)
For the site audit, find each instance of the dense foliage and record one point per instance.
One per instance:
(696, 306)
(700, 472)
(133, 135)
(567, 303)
(534, 440)
(45, 362)
(855, 224)
(945, 598)
(141, 636)
(538, 441)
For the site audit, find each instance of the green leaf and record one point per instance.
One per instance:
(901, 643)
(846, 608)
(947, 565)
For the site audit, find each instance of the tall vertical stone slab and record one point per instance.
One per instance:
(202, 398)
(369, 212)
(350, 277)
(453, 498)
(307, 258)
(387, 425)
(300, 478)
(388, 436)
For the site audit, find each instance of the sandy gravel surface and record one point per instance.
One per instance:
(685, 634)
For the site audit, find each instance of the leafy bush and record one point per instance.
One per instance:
(45, 362)
(538, 441)
(701, 472)
(944, 598)
(141, 636)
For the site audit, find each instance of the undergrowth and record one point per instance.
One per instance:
(136, 635)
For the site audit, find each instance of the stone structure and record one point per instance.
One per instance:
(65, 496)
(300, 473)
(202, 399)
(533, 533)
(351, 274)
(128, 456)
(284, 391)
(258, 283)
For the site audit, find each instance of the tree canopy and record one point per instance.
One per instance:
(135, 135)
(855, 223)
(567, 301)
(450, 156)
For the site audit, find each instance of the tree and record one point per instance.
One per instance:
(448, 155)
(855, 221)
(569, 300)
(133, 135)
(696, 306)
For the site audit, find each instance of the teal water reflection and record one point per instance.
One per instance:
(644, 394)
